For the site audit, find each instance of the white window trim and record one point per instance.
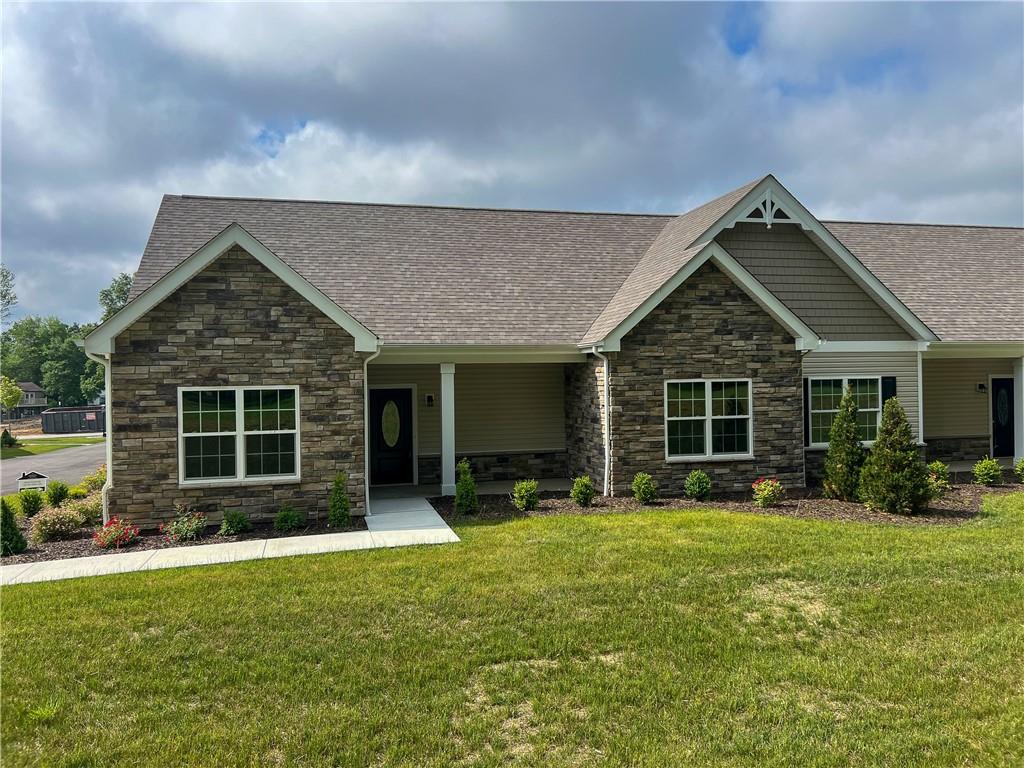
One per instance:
(239, 433)
(708, 456)
(846, 380)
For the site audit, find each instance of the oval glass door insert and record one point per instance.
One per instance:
(1003, 408)
(390, 424)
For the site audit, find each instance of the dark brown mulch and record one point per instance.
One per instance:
(83, 545)
(962, 503)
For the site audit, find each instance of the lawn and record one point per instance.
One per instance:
(46, 445)
(655, 638)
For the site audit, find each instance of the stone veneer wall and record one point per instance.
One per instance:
(949, 449)
(708, 328)
(527, 465)
(235, 323)
(584, 419)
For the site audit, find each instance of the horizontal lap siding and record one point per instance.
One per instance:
(953, 407)
(809, 282)
(902, 365)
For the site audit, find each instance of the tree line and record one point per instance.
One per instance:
(43, 349)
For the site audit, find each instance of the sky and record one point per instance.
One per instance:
(869, 111)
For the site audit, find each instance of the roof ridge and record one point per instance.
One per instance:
(634, 214)
(919, 224)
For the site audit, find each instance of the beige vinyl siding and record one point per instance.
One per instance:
(953, 407)
(902, 365)
(498, 408)
(809, 282)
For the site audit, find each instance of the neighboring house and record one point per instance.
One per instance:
(33, 401)
(271, 344)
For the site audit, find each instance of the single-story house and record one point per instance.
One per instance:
(270, 344)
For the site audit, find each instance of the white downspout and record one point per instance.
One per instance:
(607, 421)
(108, 423)
(366, 426)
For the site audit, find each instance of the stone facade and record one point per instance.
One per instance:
(957, 448)
(235, 323)
(708, 328)
(584, 419)
(538, 465)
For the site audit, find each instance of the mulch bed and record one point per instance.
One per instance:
(83, 545)
(962, 503)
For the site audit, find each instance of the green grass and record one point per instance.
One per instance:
(669, 638)
(37, 447)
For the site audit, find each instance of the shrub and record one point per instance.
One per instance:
(645, 490)
(988, 472)
(115, 534)
(938, 479)
(1018, 470)
(697, 485)
(57, 492)
(768, 491)
(525, 496)
(76, 492)
(55, 523)
(235, 522)
(7, 440)
(583, 491)
(95, 480)
(894, 478)
(12, 542)
(288, 519)
(31, 500)
(188, 524)
(337, 504)
(466, 501)
(89, 509)
(845, 457)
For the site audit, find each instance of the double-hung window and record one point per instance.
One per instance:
(236, 434)
(825, 395)
(708, 419)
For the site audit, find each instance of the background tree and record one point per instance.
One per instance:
(43, 350)
(895, 478)
(10, 394)
(115, 296)
(8, 298)
(845, 456)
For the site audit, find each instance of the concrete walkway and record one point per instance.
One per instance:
(394, 523)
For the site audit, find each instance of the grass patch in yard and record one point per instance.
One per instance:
(656, 638)
(46, 445)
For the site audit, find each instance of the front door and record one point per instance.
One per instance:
(391, 459)
(1002, 417)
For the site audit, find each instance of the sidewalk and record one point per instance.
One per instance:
(412, 522)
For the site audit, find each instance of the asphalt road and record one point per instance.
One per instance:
(67, 464)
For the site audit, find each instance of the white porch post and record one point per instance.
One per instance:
(1018, 409)
(447, 429)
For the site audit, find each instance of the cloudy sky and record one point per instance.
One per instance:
(905, 112)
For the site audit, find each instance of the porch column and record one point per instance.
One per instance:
(447, 429)
(1018, 409)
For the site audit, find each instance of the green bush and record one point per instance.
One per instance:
(7, 440)
(938, 479)
(31, 501)
(768, 492)
(89, 509)
(235, 521)
(466, 501)
(188, 524)
(895, 478)
(57, 493)
(76, 492)
(697, 485)
(645, 490)
(988, 472)
(12, 542)
(95, 480)
(288, 519)
(55, 523)
(525, 495)
(1018, 470)
(583, 491)
(845, 457)
(338, 508)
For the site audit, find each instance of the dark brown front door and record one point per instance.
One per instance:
(391, 459)
(1002, 417)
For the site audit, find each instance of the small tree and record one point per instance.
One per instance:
(12, 541)
(10, 394)
(895, 478)
(338, 504)
(466, 501)
(845, 457)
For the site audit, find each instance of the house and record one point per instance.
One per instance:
(270, 344)
(33, 401)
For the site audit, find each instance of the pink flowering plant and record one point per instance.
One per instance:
(188, 524)
(115, 534)
(768, 491)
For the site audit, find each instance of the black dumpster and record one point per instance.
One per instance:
(63, 421)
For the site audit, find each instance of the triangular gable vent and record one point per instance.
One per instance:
(767, 211)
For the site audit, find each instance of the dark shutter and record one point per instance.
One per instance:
(888, 388)
(807, 412)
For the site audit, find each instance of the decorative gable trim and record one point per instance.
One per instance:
(769, 202)
(805, 337)
(101, 340)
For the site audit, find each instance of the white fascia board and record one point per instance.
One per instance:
(404, 354)
(843, 256)
(805, 337)
(101, 340)
(975, 349)
(873, 346)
